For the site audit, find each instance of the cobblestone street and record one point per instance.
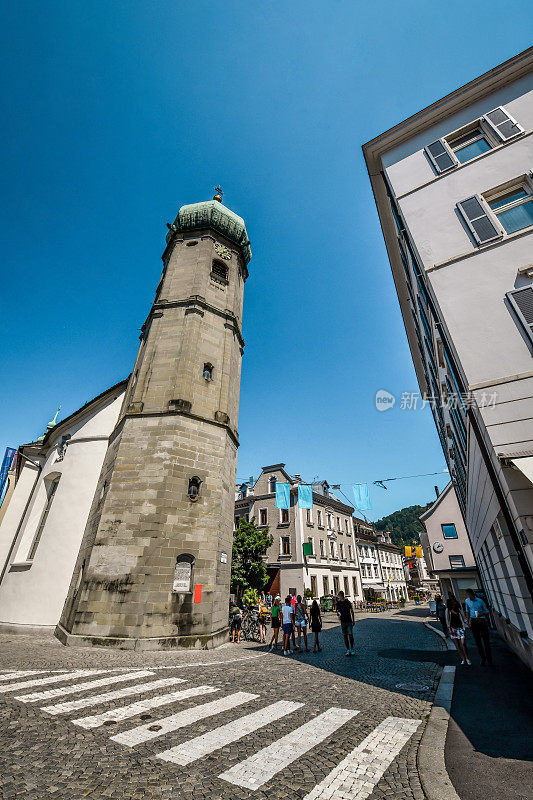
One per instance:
(236, 722)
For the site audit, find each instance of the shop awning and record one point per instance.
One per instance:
(525, 465)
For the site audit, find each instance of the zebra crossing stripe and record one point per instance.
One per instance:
(194, 749)
(66, 676)
(263, 765)
(59, 691)
(357, 775)
(186, 717)
(118, 714)
(24, 673)
(96, 699)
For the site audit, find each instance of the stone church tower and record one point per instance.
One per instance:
(154, 565)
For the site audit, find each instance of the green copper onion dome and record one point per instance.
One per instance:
(212, 214)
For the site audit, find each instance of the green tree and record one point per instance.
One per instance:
(404, 525)
(247, 567)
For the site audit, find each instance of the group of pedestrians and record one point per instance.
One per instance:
(294, 617)
(455, 621)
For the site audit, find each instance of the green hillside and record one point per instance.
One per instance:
(404, 525)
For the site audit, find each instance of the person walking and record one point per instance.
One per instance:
(316, 624)
(262, 619)
(275, 616)
(287, 615)
(477, 618)
(300, 620)
(440, 614)
(236, 623)
(347, 620)
(456, 622)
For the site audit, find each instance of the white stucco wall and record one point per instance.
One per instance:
(445, 512)
(33, 592)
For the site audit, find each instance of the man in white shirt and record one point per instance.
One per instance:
(477, 617)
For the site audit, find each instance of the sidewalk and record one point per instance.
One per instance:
(489, 744)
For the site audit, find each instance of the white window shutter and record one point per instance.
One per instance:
(477, 216)
(441, 156)
(521, 301)
(503, 124)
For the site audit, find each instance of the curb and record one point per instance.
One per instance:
(434, 778)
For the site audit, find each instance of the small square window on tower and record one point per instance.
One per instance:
(219, 271)
(208, 372)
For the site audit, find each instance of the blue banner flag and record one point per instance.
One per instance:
(361, 493)
(283, 495)
(305, 495)
(6, 466)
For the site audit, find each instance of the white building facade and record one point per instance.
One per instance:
(391, 565)
(454, 191)
(327, 529)
(44, 516)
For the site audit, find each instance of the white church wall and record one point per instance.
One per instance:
(15, 510)
(36, 582)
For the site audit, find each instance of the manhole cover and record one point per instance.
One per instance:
(412, 687)
(155, 727)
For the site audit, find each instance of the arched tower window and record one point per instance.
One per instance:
(219, 271)
(208, 371)
(183, 574)
(194, 488)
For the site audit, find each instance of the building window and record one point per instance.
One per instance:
(354, 584)
(346, 586)
(341, 548)
(347, 526)
(312, 543)
(339, 527)
(285, 546)
(219, 271)
(322, 549)
(325, 585)
(336, 585)
(469, 145)
(208, 372)
(309, 516)
(263, 516)
(514, 208)
(350, 555)
(51, 488)
(183, 574)
(194, 488)
(272, 484)
(456, 562)
(284, 515)
(330, 524)
(314, 587)
(449, 531)
(319, 519)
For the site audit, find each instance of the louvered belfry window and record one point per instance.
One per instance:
(477, 217)
(521, 301)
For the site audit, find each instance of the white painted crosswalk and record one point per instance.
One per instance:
(354, 778)
(106, 697)
(142, 706)
(143, 733)
(24, 673)
(262, 766)
(61, 691)
(356, 775)
(200, 746)
(65, 676)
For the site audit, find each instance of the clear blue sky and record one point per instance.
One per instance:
(117, 113)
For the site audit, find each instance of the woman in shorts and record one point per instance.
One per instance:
(236, 623)
(456, 622)
(275, 615)
(300, 620)
(263, 613)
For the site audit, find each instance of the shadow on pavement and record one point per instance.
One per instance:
(442, 657)
(489, 746)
